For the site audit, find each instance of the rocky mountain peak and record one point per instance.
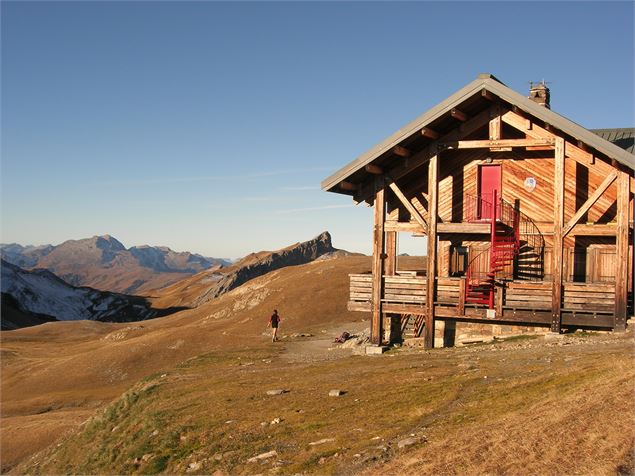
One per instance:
(107, 242)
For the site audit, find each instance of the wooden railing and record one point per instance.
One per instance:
(406, 289)
(411, 289)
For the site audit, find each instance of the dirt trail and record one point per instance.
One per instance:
(320, 347)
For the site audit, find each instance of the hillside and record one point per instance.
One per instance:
(188, 394)
(102, 262)
(37, 296)
(207, 285)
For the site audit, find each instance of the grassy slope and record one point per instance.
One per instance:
(541, 410)
(60, 372)
(160, 395)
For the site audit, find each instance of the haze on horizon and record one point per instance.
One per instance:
(208, 126)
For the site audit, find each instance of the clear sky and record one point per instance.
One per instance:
(208, 126)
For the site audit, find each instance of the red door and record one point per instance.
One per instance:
(489, 181)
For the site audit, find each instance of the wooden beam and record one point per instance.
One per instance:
(404, 227)
(523, 124)
(374, 169)
(621, 252)
(464, 228)
(487, 95)
(486, 144)
(422, 157)
(589, 203)
(593, 230)
(344, 185)
(458, 115)
(572, 151)
(558, 236)
(431, 274)
(429, 133)
(401, 151)
(414, 213)
(376, 330)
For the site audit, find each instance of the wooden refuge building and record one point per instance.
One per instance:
(528, 217)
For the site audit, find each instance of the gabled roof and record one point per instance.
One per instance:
(622, 137)
(467, 98)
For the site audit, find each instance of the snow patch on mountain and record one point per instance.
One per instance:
(41, 292)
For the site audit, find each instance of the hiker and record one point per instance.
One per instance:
(274, 320)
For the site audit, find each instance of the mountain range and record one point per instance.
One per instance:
(104, 263)
(37, 296)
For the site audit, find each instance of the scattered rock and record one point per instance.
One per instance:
(262, 456)
(154, 433)
(322, 441)
(147, 457)
(336, 393)
(194, 466)
(407, 442)
(275, 421)
(278, 391)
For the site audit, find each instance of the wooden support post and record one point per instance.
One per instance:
(461, 306)
(500, 296)
(433, 203)
(376, 331)
(391, 253)
(621, 251)
(495, 126)
(558, 235)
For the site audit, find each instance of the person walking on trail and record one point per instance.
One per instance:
(274, 321)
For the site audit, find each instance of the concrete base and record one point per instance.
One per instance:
(376, 349)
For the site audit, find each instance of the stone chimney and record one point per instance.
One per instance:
(539, 93)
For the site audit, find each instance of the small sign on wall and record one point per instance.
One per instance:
(530, 184)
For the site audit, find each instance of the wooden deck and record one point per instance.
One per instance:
(518, 302)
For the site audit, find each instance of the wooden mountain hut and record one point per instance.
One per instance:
(528, 217)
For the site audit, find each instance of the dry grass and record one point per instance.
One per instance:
(199, 379)
(541, 410)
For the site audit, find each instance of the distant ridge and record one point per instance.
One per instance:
(103, 262)
(207, 285)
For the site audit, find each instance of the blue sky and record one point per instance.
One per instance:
(208, 126)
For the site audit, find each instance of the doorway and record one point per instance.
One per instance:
(489, 181)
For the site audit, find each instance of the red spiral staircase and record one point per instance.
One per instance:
(495, 263)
